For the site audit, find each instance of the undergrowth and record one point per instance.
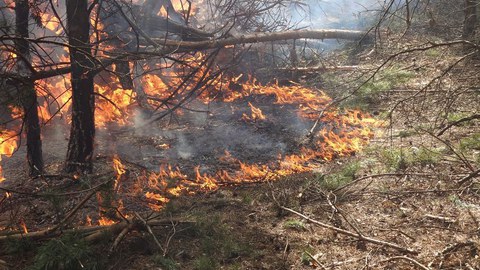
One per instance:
(345, 175)
(66, 252)
(368, 93)
(399, 159)
(214, 241)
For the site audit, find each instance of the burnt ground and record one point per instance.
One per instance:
(403, 188)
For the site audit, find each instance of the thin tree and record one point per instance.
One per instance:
(470, 22)
(82, 133)
(28, 96)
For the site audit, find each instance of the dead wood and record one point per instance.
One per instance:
(264, 37)
(352, 234)
(150, 231)
(91, 233)
(440, 218)
(74, 210)
(456, 123)
(469, 177)
(121, 236)
(405, 258)
(321, 69)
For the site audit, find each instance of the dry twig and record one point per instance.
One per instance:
(149, 229)
(405, 258)
(468, 177)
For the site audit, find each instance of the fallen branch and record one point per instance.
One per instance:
(316, 260)
(74, 210)
(456, 123)
(264, 37)
(405, 258)
(150, 231)
(91, 233)
(468, 177)
(352, 234)
(440, 218)
(121, 236)
(321, 69)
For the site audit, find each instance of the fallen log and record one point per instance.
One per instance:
(174, 46)
(91, 233)
(264, 37)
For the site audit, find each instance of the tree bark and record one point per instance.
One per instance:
(82, 133)
(470, 22)
(28, 95)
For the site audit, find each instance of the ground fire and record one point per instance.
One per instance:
(239, 134)
(339, 134)
(191, 118)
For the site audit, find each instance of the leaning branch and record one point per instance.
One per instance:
(458, 122)
(173, 46)
(264, 37)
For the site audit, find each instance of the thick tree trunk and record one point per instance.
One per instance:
(27, 93)
(82, 133)
(470, 22)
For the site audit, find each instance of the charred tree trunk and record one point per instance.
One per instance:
(28, 95)
(470, 22)
(124, 75)
(82, 133)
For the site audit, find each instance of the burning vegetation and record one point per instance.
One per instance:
(122, 67)
(136, 105)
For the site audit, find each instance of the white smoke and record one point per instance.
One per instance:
(342, 14)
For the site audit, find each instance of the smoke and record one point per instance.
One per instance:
(201, 136)
(342, 14)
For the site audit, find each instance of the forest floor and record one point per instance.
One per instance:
(409, 187)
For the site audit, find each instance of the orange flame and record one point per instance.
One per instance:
(256, 114)
(104, 221)
(158, 200)
(8, 144)
(119, 169)
(24, 226)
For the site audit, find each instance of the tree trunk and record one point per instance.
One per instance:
(82, 133)
(470, 22)
(124, 75)
(28, 95)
